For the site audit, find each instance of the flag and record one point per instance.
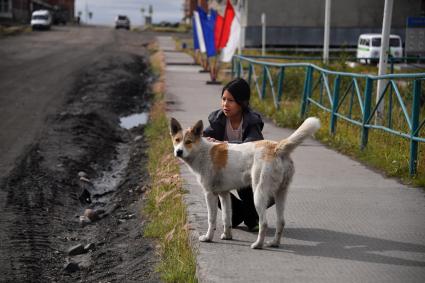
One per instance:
(199, 32)
(217, 31)
(195, 35)
(233, 33)
(208, 25)
(229, 15)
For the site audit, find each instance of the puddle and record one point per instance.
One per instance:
(134, 120)
(109, 180)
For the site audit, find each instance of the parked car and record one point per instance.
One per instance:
(122, 22)
(369, 46)
(41, 19)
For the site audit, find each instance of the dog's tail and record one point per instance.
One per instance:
(307, 128)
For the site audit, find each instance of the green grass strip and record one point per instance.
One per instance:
(164, 203)
(165, 207)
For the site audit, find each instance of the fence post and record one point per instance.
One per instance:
(307, 89)
(250, 73)
(335, 102)
(415, 125)
(238, 66)
(280, 84)
(264, 86)
(233, 67)
(366, 113)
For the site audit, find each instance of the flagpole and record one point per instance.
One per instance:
(240, 8)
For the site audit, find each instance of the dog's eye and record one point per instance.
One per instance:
(187, 142)
(177, 140)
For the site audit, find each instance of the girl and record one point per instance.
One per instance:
(235, 122)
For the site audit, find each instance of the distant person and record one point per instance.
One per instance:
(236, 122)
(78, 20)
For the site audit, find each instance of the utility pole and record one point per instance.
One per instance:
(150, 10)
(142, 10)
(383, 57)
(263, 34)
(86, 12)
(327, 31)
(241, 8)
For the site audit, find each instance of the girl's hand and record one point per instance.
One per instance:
(214, 140)
(211, 139)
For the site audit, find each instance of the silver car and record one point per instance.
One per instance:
(122, 22)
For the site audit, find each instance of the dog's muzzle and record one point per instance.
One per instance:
(179, 153)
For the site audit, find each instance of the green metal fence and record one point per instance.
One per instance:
(347, 96)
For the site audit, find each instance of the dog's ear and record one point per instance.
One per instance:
(198, 128)
(175, 127)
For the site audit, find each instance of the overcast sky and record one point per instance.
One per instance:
(105, 11)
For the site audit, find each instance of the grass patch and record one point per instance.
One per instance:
(164, 204)
(182, 28)
(13, 30)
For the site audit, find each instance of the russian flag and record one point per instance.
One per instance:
(212, 32)
(199, 32)
(208, 22)
(195, 35)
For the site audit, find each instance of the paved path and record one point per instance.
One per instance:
(345, 222)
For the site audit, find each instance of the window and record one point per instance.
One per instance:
(5, 6)
(40, 17)
(394, 42)
(376, 42)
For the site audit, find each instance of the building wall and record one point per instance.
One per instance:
(67, 4)
(300, 23)
(21, 9)
(190, 6)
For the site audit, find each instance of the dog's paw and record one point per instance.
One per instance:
(272, 244)
(226, 236)
(257, 245)
(204, 238)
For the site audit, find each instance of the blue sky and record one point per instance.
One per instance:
(105, 11)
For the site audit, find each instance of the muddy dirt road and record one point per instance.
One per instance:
(72, 179)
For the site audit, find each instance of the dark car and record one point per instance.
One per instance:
(122, 22)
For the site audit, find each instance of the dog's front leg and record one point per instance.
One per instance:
(211, 199)
(226, 213)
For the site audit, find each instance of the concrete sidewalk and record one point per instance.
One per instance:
(344, 222)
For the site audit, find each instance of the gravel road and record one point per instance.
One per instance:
(64, 154)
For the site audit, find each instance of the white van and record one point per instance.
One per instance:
(41, 19)
(369, 45)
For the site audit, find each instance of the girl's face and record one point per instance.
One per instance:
(229, 105)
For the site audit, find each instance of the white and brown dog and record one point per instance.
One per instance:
(222, 167)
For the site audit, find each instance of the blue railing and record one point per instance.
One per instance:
(353, 89)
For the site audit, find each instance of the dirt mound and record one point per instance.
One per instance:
(41, 201)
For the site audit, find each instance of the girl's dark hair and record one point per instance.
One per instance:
(240, 91)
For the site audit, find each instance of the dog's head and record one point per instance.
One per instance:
(185, 141)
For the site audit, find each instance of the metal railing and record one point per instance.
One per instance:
(349, 97)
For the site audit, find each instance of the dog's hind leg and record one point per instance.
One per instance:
(226, 213)
(280, 220)
(212, 203)
(260, 201)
